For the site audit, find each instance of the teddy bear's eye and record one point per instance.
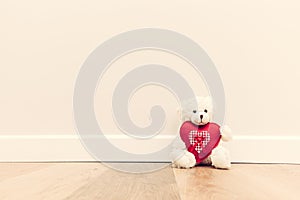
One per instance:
(205, 110)
(194, 111)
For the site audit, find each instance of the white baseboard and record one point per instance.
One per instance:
(265, 149)
(48, 148)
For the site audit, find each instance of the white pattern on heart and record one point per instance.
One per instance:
(194, 134)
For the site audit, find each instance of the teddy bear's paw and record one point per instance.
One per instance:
(226, 133)
(220, 158)
(187, 160)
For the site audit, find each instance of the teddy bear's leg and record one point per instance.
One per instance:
(181, 158)
(187, 160)
(220, 158)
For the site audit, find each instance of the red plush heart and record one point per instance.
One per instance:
(200, 140)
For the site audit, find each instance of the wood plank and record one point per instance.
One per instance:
(243, 181)
(87, 181)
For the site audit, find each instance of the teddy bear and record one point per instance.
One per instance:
(186, 152)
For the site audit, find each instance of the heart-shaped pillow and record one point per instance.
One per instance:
(200, 140)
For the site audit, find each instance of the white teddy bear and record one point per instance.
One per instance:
(200, 116)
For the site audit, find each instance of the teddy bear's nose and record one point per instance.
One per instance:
(201, 116)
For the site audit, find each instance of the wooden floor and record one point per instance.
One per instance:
(95, 181)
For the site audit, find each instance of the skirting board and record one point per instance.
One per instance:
(67, 148)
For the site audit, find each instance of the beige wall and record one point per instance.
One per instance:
(254, 44)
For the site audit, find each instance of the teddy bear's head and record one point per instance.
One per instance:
(199, 111)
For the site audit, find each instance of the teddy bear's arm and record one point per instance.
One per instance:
(226, 133)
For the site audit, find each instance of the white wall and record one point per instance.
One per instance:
(254, 44)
